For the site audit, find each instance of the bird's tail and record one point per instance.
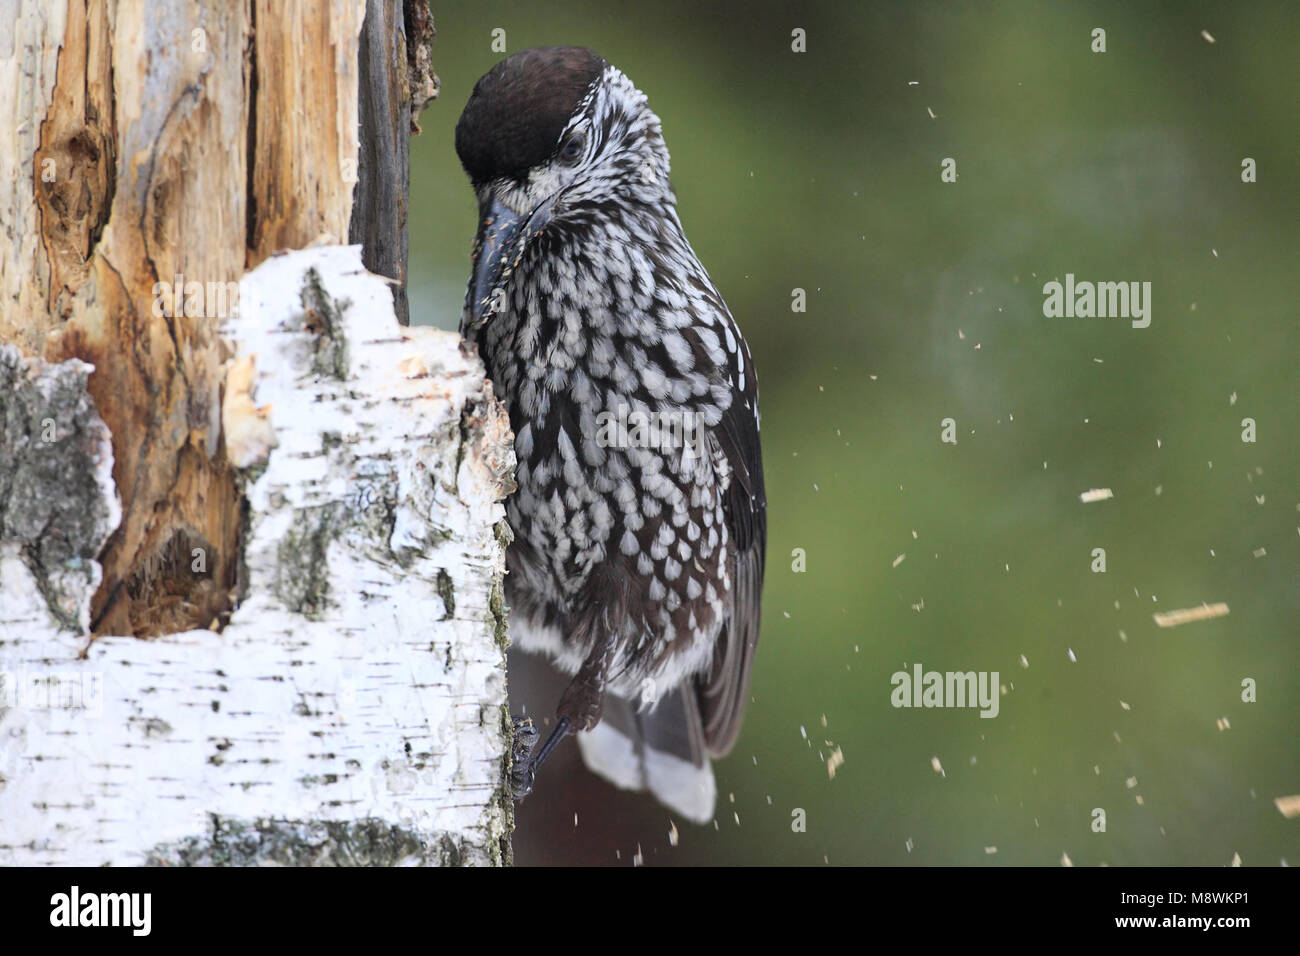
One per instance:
(657, 747)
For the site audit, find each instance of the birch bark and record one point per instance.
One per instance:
(276, 511)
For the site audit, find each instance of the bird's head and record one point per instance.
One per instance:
(553, 139)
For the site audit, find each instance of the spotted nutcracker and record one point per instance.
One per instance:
(637, 559)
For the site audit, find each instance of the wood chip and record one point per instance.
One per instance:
(1189, 614)
(1289, 807)
(833, 762)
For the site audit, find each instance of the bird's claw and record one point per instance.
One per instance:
(522, 770)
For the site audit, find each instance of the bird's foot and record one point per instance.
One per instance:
(527, 757)
(522, 769)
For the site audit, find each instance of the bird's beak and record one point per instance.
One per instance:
(503, 234)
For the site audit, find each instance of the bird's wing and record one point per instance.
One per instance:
(723, 691)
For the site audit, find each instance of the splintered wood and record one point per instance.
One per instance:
(1189, 614)
(1289, 807)
(834, 762)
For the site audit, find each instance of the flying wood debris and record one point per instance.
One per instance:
(1189, 614)
(1289, 807)
(833, 762)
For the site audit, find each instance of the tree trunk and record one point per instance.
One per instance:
(396, 81)
(295, 499)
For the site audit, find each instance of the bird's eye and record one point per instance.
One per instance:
(571, 151)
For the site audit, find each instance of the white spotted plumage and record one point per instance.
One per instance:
(608, 311)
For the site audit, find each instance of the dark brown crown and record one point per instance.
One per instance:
(519, 108)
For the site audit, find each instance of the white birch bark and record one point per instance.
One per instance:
(354, 709)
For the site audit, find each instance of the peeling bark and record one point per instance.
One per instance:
(354, 709)
(58, 504)
(296, 500)
(123, 176)
(145, 146)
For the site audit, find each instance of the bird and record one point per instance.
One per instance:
(639, 520)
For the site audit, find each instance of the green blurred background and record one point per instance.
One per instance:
(821, 171)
